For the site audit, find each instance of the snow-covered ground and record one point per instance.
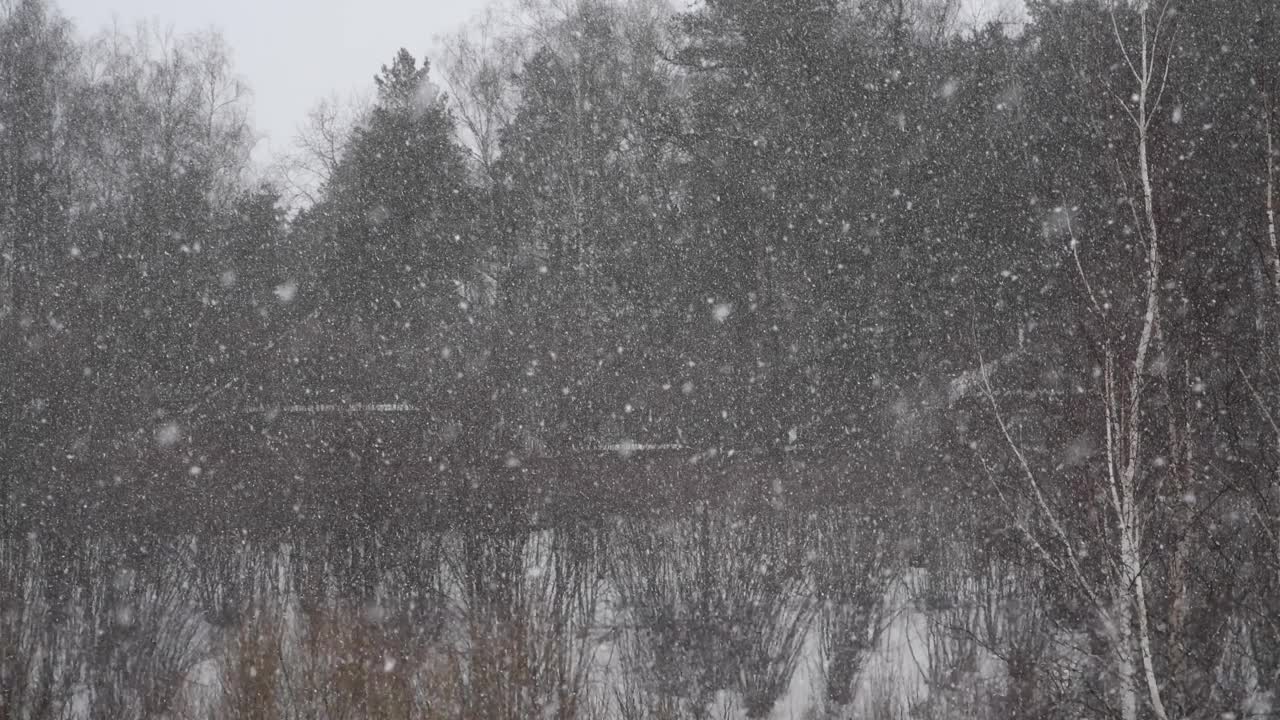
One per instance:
(528, 615)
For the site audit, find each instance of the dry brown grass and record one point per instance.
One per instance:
(252, 672)
(344, 665)
(339, 665)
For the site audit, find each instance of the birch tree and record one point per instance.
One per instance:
(1261, 385)
(1117, 592)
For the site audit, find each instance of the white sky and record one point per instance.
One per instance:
(294, 53)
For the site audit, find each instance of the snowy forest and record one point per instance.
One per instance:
(618, 359)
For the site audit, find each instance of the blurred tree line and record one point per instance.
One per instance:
(751, 224)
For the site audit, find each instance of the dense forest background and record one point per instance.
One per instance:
(753, 224)
(1030, 270)
(750, 224)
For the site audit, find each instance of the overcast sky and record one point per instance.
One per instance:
(293, 53)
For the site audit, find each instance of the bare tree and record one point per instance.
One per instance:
(1272, 255)
(1263, 383)
(479, 63)
(163, 103)
(1119, 594)
(318, 147)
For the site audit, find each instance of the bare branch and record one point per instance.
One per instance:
(1115, 26)
(1075, 252)
(1033, 483)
